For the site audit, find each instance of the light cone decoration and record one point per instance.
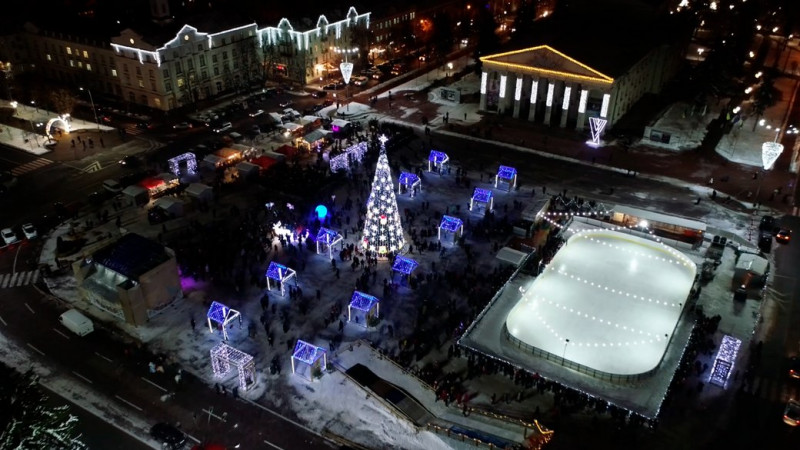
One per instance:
(770, 151)
(347, 71)
(383, 232)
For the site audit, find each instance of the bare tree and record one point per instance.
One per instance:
(62, 101)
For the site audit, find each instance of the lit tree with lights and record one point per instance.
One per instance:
(383, 232)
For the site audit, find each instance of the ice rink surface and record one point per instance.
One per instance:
(607, 300)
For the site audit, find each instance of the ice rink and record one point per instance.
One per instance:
(607, 300)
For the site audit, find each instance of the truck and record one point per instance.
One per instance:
(76, 322)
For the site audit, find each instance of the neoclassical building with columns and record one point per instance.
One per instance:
(544, 85)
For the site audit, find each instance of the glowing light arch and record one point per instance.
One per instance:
(62, 119)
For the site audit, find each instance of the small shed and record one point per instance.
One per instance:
(170, 205)
(511, 256)
(248, 169)
(200, 191)
(137, 194)
(214, 161)
(313, 139)
(276, 118)
(751, 270)
(264, 162)
(310, 122)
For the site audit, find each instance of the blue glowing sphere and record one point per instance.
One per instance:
(321, 211)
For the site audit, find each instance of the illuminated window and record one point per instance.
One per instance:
(113, 72)
(49, 58)
(69, 51)
(181, 82)
(157, 102)
(141, 82)
(71, 63)
(88, 66)
(85, 54)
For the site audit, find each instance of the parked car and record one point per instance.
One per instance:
(360, 81)
(144, 125)
(791, 414)
(225, 126)
(257, 113)
(768, 223)
(285, 103)
(9, 236)
(794, 367)
(130, 161)
(29, 231)
(319, 94)
(168, 435)
(182, 126)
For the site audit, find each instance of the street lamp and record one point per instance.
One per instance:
(564, 355)
(94, 110)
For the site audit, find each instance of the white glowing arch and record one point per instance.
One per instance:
(62, 119)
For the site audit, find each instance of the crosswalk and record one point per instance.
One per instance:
(37, 163)
(16, 279)
(133, 130)
(775, 390)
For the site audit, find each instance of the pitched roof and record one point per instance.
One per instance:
(546, 60)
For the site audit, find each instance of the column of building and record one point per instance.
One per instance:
(582, 108)
(534, 98)
(565, 104)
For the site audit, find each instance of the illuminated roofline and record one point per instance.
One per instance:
(601, 77)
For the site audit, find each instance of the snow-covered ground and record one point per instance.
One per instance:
(607, 301)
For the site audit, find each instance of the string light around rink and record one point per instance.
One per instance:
(613, 290)
(581, 232)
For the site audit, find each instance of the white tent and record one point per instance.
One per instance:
(247, 169)
(136, 193)
(511, 256)
(171, 205)
(200, 191)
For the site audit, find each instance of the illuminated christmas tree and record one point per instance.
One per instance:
(383, 232)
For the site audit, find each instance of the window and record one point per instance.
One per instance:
(168, 86)
(49, 58)
(88, 67)
(233, 52)
(141, 82)
(189, 64)
(85, 54)
(138, 70)
(157, 102)
(131, 97)
(204, 75)
(113, 72)
(181, 82)
(214, 58)
(166, 73)
(235, 65)
(178, 68)
(71, 63)
(69, 51)
(152, 74)
(80, 64)
(225, 56)
(202, 60)
(216, 71)
(199, 47)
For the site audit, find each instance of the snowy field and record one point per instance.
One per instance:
(608, 301)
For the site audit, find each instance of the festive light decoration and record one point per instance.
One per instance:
(770, 151)
(308, 354)
(483, 196)
(620, 292)
(222, 315)
(222, 355)
(404, 265)
(347, 70)
(604, 106)
(175, 164)
(549, 100)
(383, 232)
(534, 90)
(501, 58)
(364, 303)
(507, 175)
(340, 162)
(281, 274)
(437, 159)
(518, 89)
(596, 127)
(451, 225)
(356, 151)
(484, 81)
(328, 238)
(322, 211)
(565, 102)
(409, 181)
(582, 102)
(503, 81)
(723, 363)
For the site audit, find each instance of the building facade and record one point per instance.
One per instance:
(544, 85)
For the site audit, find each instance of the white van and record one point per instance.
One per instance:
(76, 322)
(112, 186)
